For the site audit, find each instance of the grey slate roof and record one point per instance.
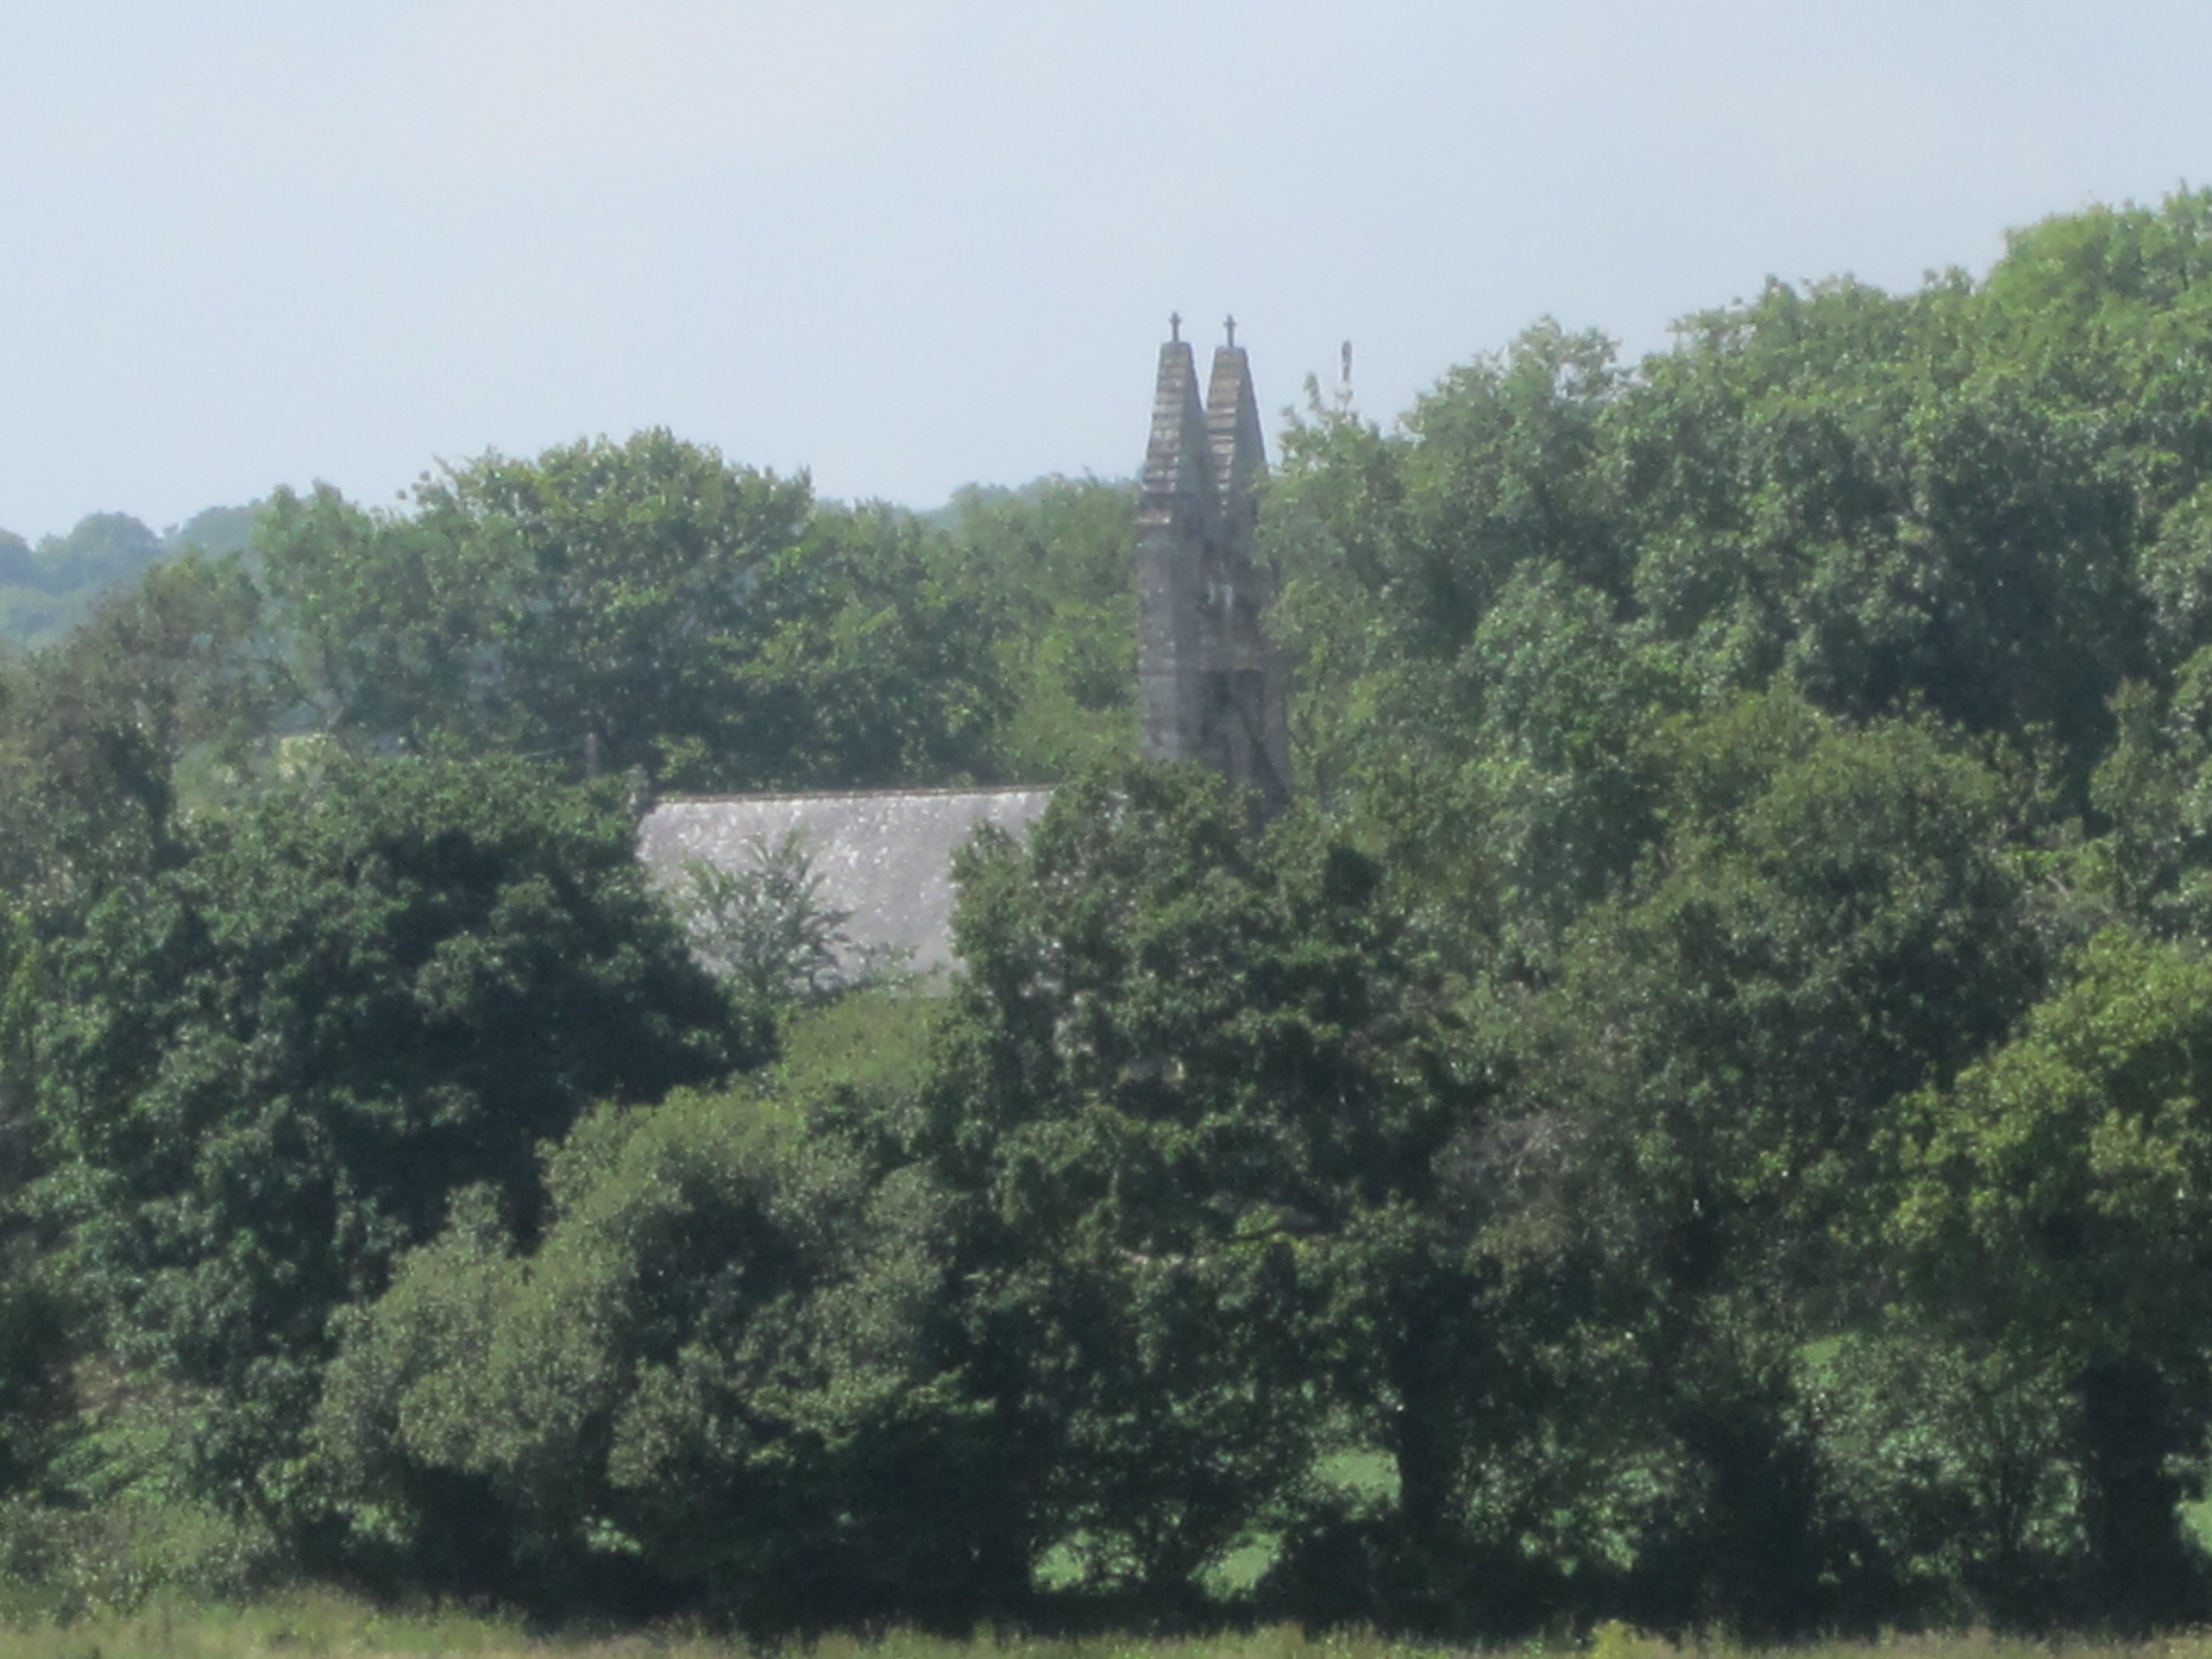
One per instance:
(885, 856)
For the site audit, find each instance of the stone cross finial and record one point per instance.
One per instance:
(1231, 324)
(1175, 327)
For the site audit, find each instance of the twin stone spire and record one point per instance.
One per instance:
(1212, 688)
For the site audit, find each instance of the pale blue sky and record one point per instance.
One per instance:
(912, 243)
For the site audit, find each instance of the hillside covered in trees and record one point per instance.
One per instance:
(1702, 1115)
(46, 589)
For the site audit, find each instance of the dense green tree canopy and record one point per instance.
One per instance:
(709, 1381)
(1699, 1115)
(264, 1064)
(639, 604)
(1182, 1090)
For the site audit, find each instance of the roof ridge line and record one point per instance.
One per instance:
(674, 799)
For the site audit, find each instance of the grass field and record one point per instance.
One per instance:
(315, 1625)
(298, 1627)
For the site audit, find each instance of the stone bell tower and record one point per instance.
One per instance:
(1210, 688)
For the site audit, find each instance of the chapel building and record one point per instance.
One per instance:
(1212, 690)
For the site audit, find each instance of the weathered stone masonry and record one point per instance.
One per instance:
(1210, 688)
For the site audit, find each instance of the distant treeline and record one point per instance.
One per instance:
(46, 589)
(1702, 1115)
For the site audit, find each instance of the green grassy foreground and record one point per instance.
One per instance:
(323, 1625)
(340, 1628)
